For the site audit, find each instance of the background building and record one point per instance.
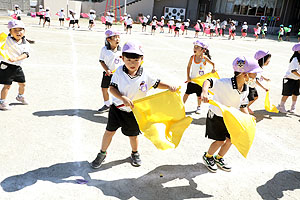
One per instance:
(10, 5)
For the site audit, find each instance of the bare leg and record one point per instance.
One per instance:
(21, 88)
(214, 147)
(4, 91)
(106, 140)
(134, 142)
(105, 94)
(225, 147)
(185, 97)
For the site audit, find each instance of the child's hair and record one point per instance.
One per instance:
(262, 61)
(107, 44)
(131, 55)
(207, 54)
(237, 73)
(297, 55)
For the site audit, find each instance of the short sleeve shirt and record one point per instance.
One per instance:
(110, 58)
(294, 65)
(128, 21)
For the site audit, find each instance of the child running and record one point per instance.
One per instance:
(263, 59)
(61, 17)
(162, 23)
(177, 27)
(232, 30)
(144, 24)
(281, 33)
(171, 24)
(186, 26)
(196, 68)
(47, 17)
(110, 59)
(130, 82)
(41, 14)
(244, 30)
(128, 22)
(10, 70)
(197, 28)
(291, 81)
(92, 17)
(288, 33)
(153, 25)
(229, 92)
(18, 12)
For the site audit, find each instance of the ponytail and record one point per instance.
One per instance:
(207, 54)
(295, 55)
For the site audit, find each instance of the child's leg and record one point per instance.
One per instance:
(185, 97)
(214, 147)
(21, 88)
(106, 140)
(225, 147)
(4, 91)
(134, 142)
(283, 100)
(294, 100)
(199, 101)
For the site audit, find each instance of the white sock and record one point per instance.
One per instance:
(20, 95)
(2, 101)
(282, 104)
(107, 103)
(293, 104)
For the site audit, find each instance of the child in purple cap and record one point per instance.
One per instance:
(17, 49)
(130, 82)
(263, 59)
(291, 81)
(229, 92)
(196, 68)
(110, 59)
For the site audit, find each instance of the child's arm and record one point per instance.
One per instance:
(258, 83)
(210, 62)
(21, 57)
(163, 85)
(108, 72)
(244, 110)
(296, 72)
(126, 101)
(266, 79)
(204, 94)
(188, 70)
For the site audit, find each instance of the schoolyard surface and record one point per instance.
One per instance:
(48, 144)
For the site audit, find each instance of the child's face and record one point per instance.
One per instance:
(114, 40)
(198, 50)
(132, 64)
(17, 33)
(267, 61)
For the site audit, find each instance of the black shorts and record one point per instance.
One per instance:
(126, 120)
(280, 36)
(129, 26)
(154, 27)
(18, 18)
(76, 21)
(91, 21)
(12, 73)
(193, 88)
(176, 29)
(186, 28)
(212, 30)
(290, 87)
(144, 24)
(72, 21)
(47, 19)
(288, 33)
(215, 127)
(244, 30)
(61, 19)
(105, 80)
(197, 31)
(252, 94)
(233, 31)
(41, 16)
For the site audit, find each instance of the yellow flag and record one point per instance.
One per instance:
(240, 126)
(161, 117)
(200, 80)
(3, 52)
(268, 106)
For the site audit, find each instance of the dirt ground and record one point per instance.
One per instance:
(48, 144)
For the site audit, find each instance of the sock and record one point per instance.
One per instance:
(107, 103)
(293, 104)
(133, 152)
(282, 104)
(20, 95)
(219, 157)
(2, 100)
(103, 152)
(208, 155)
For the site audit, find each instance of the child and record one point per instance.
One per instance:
(244, 30)
(153, 25)
(41, 13)
(130, 82)
(10, 70)
(110, 59)
(223, 27)
(263, 59)
(162, 23)
(212, 28)
(107, 21)
(288, 33)
(171, 24)
(76, 19)
(186, 26)
(196, 68)
(258, 31)
(177, 27)
(291, 81)
(229, 92)
(124, 19)
(128, 24)
(281, 33)
(144, 24)
(72, 19)
(232, 30)
(218, 27)
(17, 12)
(197, 30)
(47, 17)
(264, 31)
(92, 17)
(61, 16)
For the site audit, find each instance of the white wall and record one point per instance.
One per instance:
(56, 5)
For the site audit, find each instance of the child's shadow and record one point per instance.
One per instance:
(148, 186)
(263, 114)
(91, 115)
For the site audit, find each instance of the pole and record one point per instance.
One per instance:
(125, 6)
(67, 8)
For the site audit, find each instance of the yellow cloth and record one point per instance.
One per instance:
(3, 52)
(161, 117)
(240, 126)
(268, 106)
(200, 80)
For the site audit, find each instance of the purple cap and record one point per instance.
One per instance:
(296, 47)
(133, 47)
(246, 64)
(15, 24)
(110, 33)
(260, 54)
(201, 44)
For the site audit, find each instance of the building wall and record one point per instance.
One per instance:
(159, 5)
(10, 5)
(55, 6)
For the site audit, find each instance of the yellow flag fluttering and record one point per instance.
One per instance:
(240, 126)
(3, 52)
(200, 80)
(161, 117)
(268, 106)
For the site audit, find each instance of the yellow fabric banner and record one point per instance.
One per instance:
(3, 53)
(268, 106)
(240, 126)
(161, 117)
(200, 80)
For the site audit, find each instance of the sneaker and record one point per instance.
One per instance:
(198, 111)
(135, 159)
(221, 164)
(98, 161)
(104, 108)
(292, 110)
(4, 106)
(281, 109)
(210, 163)
(22, 100)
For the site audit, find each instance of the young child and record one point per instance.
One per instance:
(162, 23)
(281, 33)
(223, 27)
(212, 28)
(171, 24)
(186, 26)
(76, 19)
(153, 25)
(264, 31)
(196, 68)
(47, 17)
(232, 30)
(124, 20)
(92, 17)
(288, 33)
(130, 82)
(291, 81)
(144, 24)
(72, 19)
(197, 30)
(107, 21)
(11, 70)
(177, 27)
(263, 59)
(244, 30)
(218, 27)
(61, 16)
(229, 92)
(17, 12)
(258, 31)
(110, 59)
(41, 14)
(128, 24)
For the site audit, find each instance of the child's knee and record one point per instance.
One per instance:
(22, 84)
(7, 87)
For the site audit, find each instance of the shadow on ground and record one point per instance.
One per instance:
(282, 181)
(90, 115)
(148, 186)
(263, 114)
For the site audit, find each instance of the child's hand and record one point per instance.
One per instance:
(108, 72)
(127, 101)
(172, 88)
(189, 80)
(266, 89)
(12, 60)
(213, 71)
(204, 97)
(266, 79)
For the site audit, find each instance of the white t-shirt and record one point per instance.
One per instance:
(15, 49)
(171, 22)
(110, 19)
(92, 16)
(187, 24)
(225, 92)
(128, 21)
(294, 65)
(245, 27)
(265, 28)
(132, 87)
(18, 12)
(197, 69)
(154, 22)
(178, 25)
(47, 14)
(61, 15)
(145, 20)
(111, 59)
(258, 30)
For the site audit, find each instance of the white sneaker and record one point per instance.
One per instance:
(4, 106)
(198, 111)
(22, 100)
(292, 110)
(281, 109)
